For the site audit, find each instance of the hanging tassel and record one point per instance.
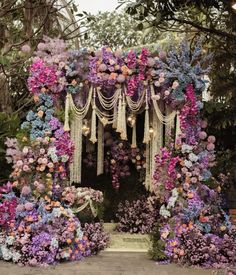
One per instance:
(67, 109)
(134, 139)
(76, 136)
(170, 124)
(93, 137)
(147, 175)
(100, 152)
(146, 136)
(89, 146)
(123, 119)
(119, 115)
(114, 124)
(178, 129)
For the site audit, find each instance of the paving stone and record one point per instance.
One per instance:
(108, 263)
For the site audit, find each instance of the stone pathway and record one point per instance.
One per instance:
(107, 263)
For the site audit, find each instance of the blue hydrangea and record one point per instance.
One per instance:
(25, 125)
(30, 116)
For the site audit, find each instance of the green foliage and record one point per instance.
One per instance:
(8, 128)
(221, 123)
(118, 30)
(157, 250)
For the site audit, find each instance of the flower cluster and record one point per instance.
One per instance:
(107, 68)
(207, 250)
(37, 163)
(137, 216)
(170, 73)
(195, 227)
(42, 77)
(81, 197)
(117, 162)
(98, 238)
(43, 232)
(47, 73)
(38, 122)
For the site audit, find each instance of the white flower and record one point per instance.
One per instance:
(188, 163)
(16, 256)
(193, 157)
(25, 150)
(54, 242)
(56, 212)
(164, 212)
(10, 240)
(6, 253)
(186, 148)
(172, 200)
(64, 158)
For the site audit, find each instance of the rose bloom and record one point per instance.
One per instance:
(31, 160)
(25, 150)
(194, 180)
(175, 84)
(203, 123)
(202, 135)
(40, 113)
(40, 160)
(42, 151)
(161, 79)
(210, 147)
(166, 93)
(19, 163)
(50, 165)
(44, 161)
(42, 168)
(102, 67)
(184, 170)
(121, 78)
(211, 139)
(26, 168)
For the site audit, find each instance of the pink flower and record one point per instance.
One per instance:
(50, 165)
(211, 139)
(20, 208)
(166, 92)
(150, 62)
(44, 161)
(121, 78)
(203, 123)
(210, 146)
(19, 163)
(26, 168)
(31, 160)
(26, 190)
(194, 180)
(102, 67)
(25, 48)
(29, 206)
(41, 187)
(118, 53)
(41, 46)
(202, 135)
(162, 55)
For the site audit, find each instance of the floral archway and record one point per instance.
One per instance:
(111, 88)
